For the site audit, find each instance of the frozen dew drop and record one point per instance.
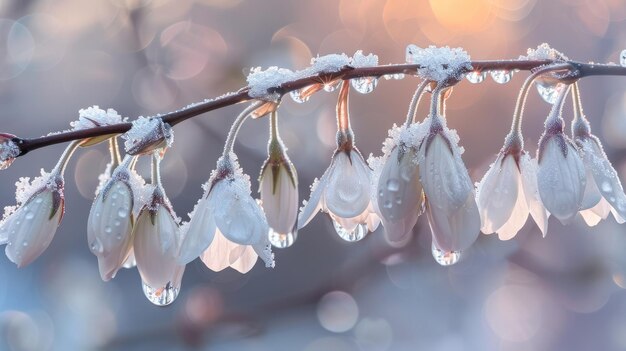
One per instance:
(30, 215)
(476, 77)
(96, 246)
(501, 76)
(38, 200)
(622, 58)
(161, 296)
(606, 187)
(445, 258)
(296, 95)
(549, 91)
(332, 86)
(396, 76)
(108, 229)
(4, 164)
(393, 185)
(280, 240)
(357, 234)
(122, 213)
(364, 85)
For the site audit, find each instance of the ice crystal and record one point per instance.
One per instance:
(8, 151)
(543, 52)
(147, 133)
(94, 116)
(360, 60)
(438, 63)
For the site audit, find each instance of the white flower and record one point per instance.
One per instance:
(399, 192)
(344, 192)
(279, 195)
(604, 193)
(223, 253)
(227, 209)
(508, 193)
(450, 204)
(156, 241)
(110, 223)
(561, 176)
(29, 228)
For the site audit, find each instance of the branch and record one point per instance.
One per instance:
(578, 70)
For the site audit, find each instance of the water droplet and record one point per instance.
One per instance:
(549, 91)
(445, 258)
(122, 213)
(396, 76)
(96, 246)
(30, 215)
(161, 296)
(388, 204)
(381, 193)
(357, 234)
(280, 240)
(606, 187)
(364, 85)
(117, 223)
(107, 229)
(118, 237)
(6, 163)
(476, 77)
(114, 196)
(501, 76)
(332, 86)
(622, 58)
(398, 201)
(393, 185)
(97, 214)
(25, 243)
(38, 200)
(296, 95)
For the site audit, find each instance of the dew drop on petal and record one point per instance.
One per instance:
(161, 296)
(393, 185)
(501, 76)
(296, 95)
(38, 200)
(364, 85)
(357, 234)
(549, 91)
(122, 213)
(476, 77)
(96, 246)
(622, 58)
(606, 187)
(30, 215)
(445, 258)
(282, 241)
(108, 229)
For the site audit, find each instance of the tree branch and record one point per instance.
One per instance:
(578, 70)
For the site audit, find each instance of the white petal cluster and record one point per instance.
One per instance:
(28, 228)
(227, 217)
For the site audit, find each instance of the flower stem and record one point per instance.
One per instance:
(345, 136)
(554, 119)
(59, 168)
(415, 101)
(156, 169)
(234, 128)
(114, 150)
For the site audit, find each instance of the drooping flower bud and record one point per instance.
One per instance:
(93, 117)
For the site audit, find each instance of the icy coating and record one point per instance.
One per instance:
(25, 189)
(8, 150)
(261, 81)
(147, 130)
(438, 63)
(94, 116)
(543, 52)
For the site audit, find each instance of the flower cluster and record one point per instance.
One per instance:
(421, 171)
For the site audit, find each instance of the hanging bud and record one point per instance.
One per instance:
(93, 117)
(110, 222)
(147, 135)
(279, 191)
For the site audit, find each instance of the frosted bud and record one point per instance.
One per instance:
(110, 223)
(147, 135)
(93, 117)
(28, 228)
(8, 150)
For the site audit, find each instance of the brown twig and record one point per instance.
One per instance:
(578, 70)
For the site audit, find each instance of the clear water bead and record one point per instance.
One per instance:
(364, 85)
(501, 76)
(622, 58)
(96, 246)
(296, 95)
(4, 164)
(282, 241)
(445, 258)
(476, 77)
(332, 86)
(357, 234)
(549, 92)
(162, 296)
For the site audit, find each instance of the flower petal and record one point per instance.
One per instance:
(348, 190)
(200, 233)
(316, 200)
(156, 247)
(539, 213)
(280, 199)
(498, 193)
(217, 256)
(246, 260)
(31, 228)
(518, 216)
(237, 215)
(457, 230)
(561, 179)
(444, 176)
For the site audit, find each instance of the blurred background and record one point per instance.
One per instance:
(143, 57)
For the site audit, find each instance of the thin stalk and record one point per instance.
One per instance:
(343, 117)
(234, 129)
(65, 157)
(156, 169)
(554, 119)
(415, 101)
(114, 150)
(578, 107)
(274, 136)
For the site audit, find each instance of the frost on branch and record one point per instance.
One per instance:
(261, 82)
(543, 52)
(94, 116)
(8, 150)
(438, 63)
(147, 135)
